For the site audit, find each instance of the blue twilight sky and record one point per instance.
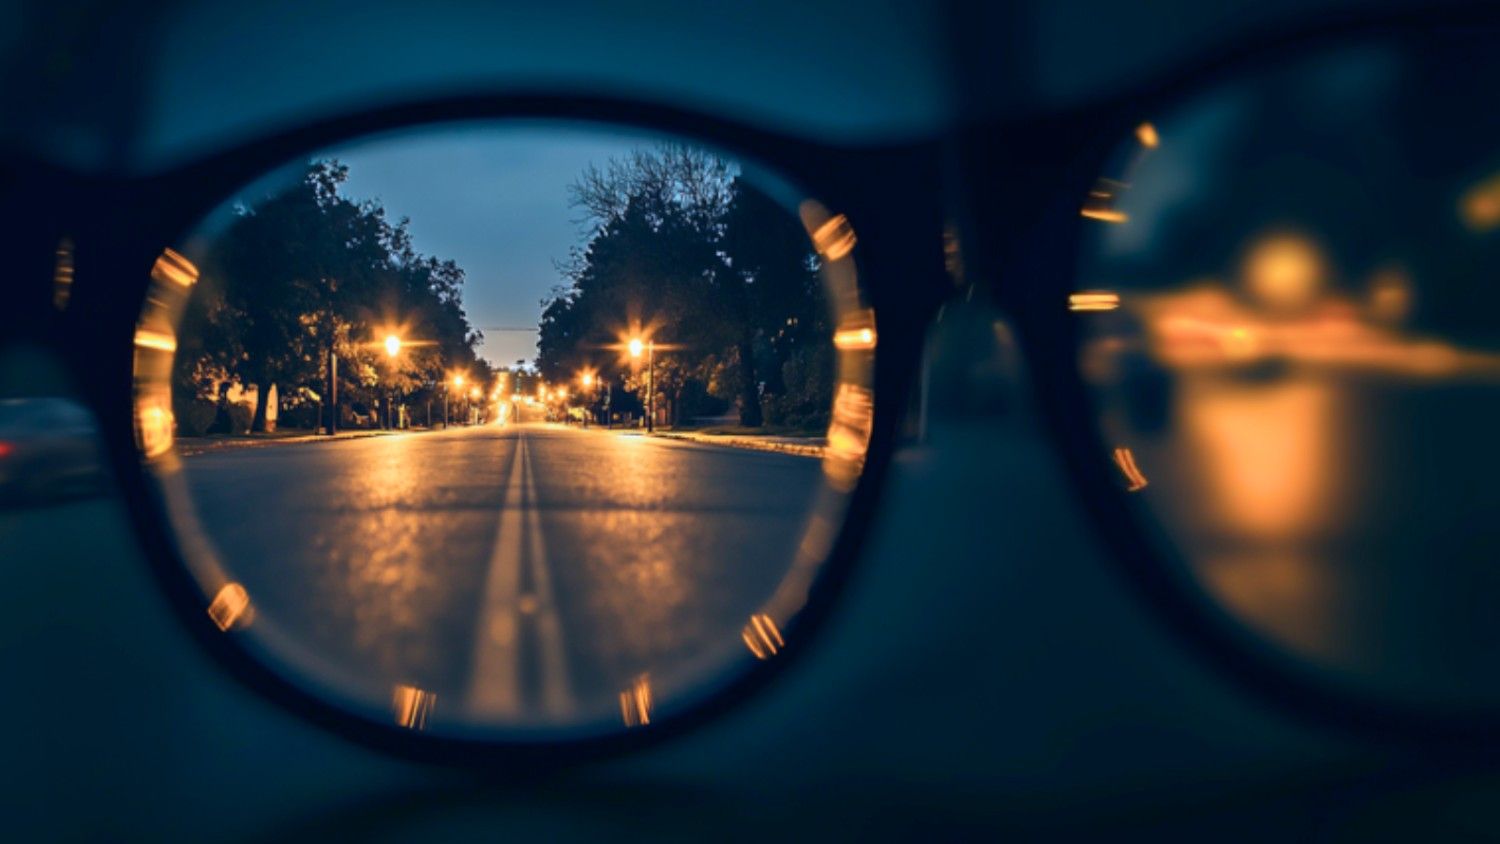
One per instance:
(494, 199)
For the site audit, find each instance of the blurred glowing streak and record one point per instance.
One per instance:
(412, 706)
(230, 607)
(1480, 205)
(158, 340)
(154, 426)
(1146, 134)
(848, 435)
(1093, 300)
(762, 637)
(1108, 215)
(174, 268)
(635, 702)
(62, 275)
(855, 338)
(1126, 461)
(392, 345)
(835, 238)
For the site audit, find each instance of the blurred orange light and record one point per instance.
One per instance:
(1126, 461)
(1093, 300)
(1146, 134)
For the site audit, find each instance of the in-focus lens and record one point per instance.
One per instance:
(514, 430)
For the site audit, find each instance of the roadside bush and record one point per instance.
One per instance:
(194, 416)
(232, 418)
(302, 417)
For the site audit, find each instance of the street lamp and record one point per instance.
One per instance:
(634, 346)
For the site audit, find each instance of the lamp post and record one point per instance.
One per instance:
(587, 379)
(635, 352)
(392, 350)
(458, 381)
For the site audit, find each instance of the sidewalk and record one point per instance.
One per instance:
(190, 446)
(801, 446)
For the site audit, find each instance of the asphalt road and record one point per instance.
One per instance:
(523, 574)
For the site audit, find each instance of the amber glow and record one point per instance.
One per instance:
(154, 422)
(835, 238)
(230, 607)
(848, 435)
(158, 340)
(1107, 215)
(762, 636)
(172, 267)
(1093, 300)
(412, 706)
(1146, 134)
(854, 338)
(635, 347)
(1126, 461)
(392, 345)
(1480, 205)
(1284, 271)
(635, 703)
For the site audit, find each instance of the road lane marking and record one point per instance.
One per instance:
(557, 697)
(519, 549)
(495, 670)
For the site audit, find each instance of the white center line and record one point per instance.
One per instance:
(495, 670)
(557, 697)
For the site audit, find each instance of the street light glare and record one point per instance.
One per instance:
(458, 380)
(636, 347)
(392, 345)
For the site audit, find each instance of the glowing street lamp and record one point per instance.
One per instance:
(392, 345)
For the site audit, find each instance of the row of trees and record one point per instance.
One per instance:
(306, 273)
(682, 249)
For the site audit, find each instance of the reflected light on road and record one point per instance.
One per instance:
(1265, 453)
(635, 702)
(412, 706)
(762, 636)
(231, 607)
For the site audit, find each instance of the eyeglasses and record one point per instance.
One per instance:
(452, 557)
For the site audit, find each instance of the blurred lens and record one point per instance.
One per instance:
(511, 430)
(1288, 310)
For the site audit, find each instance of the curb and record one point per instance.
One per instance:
(195, 446)
(750, 444)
